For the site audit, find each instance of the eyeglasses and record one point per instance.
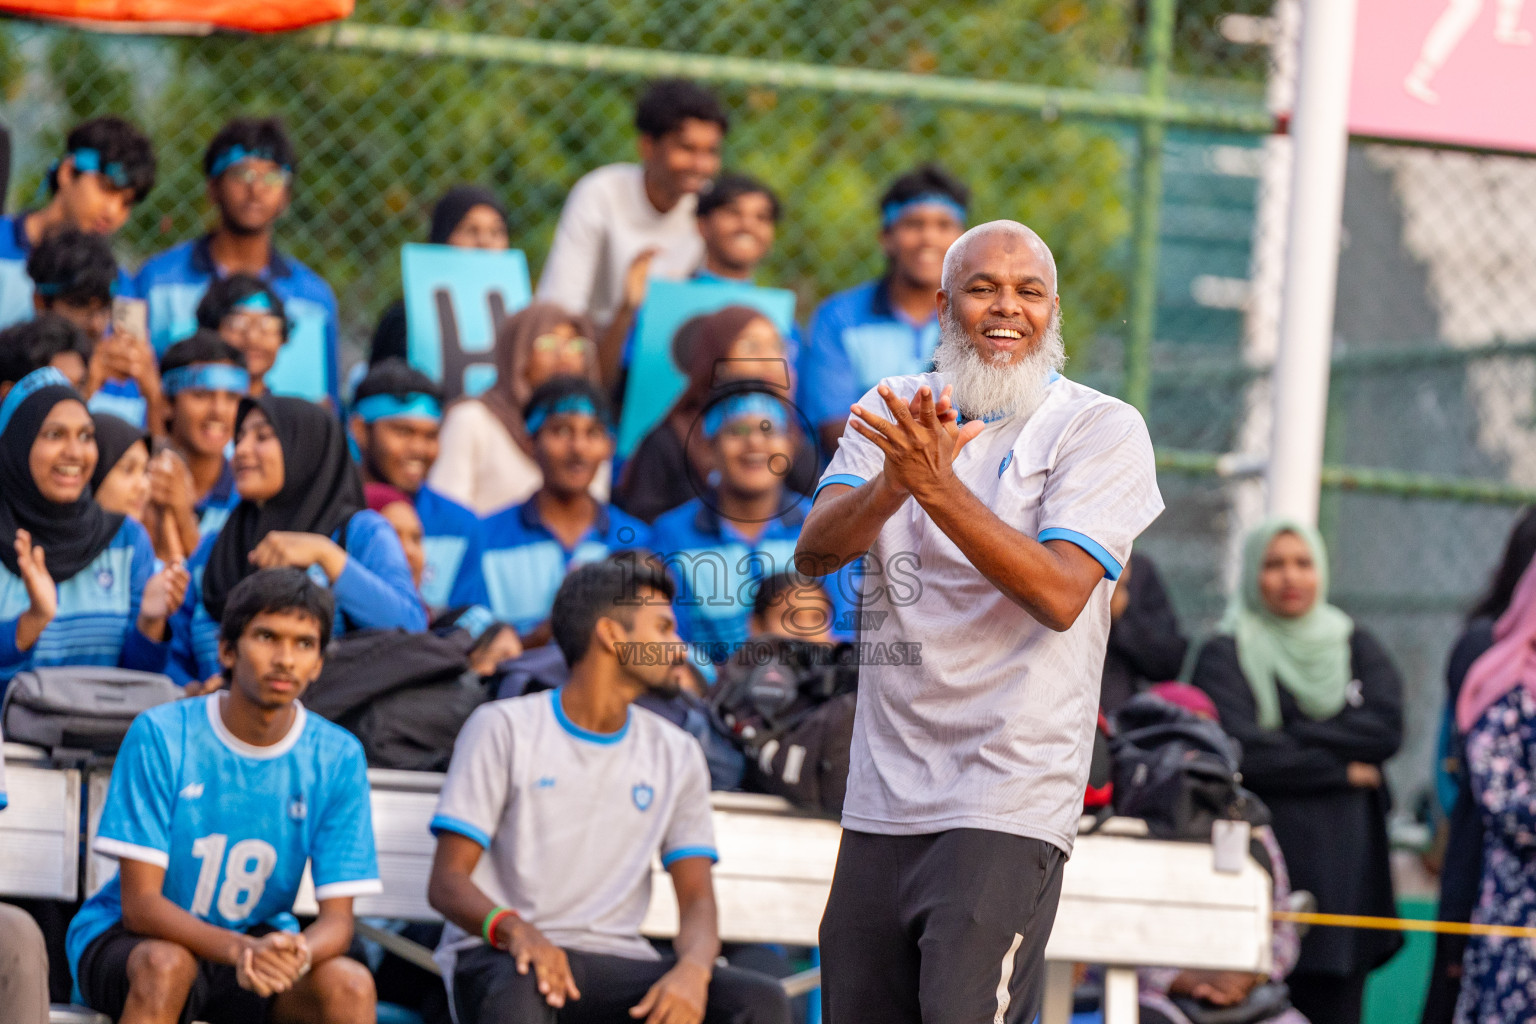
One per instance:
(245, 174)
(255, 325)
(556, 344)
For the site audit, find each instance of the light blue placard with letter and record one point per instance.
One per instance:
(654, 381)
(455, 302)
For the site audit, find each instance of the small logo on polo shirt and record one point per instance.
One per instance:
(298, 810)
(643, 794)
(547, 782)
(1003, 466)
(104, 578)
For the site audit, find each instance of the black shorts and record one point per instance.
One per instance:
(947, 928)
(215, 995)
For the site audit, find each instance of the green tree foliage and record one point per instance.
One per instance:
(380, 136)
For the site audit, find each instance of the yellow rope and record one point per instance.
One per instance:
(1399, 924)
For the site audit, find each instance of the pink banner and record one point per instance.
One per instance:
(1455, 71)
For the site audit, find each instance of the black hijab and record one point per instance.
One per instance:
(114, 437)
(455, 206)
(321, 492)
(71, 535)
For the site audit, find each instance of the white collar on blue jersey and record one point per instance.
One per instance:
(214, 701)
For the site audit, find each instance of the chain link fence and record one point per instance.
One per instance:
(1132, 135)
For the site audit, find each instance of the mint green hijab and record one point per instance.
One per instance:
(1308, 655)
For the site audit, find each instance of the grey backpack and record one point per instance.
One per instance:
(84, 708)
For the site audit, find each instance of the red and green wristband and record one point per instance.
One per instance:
(492, 922)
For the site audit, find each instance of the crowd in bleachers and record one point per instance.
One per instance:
(168, 504)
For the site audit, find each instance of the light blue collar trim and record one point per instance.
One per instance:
(961, 421)
(605, 738)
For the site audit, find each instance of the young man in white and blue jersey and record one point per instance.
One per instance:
(216, 805)
(107, 169)
(530, 547)
(192, 485)
(397, 415)
(249, 166)
(569, 795)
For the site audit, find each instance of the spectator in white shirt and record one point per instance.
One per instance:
(625, 223)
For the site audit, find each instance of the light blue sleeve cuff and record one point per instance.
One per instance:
(1088, 544)
(839, 478)
(684, 852)
(442, 823)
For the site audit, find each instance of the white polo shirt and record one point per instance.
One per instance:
(993, 728)
(571, 820)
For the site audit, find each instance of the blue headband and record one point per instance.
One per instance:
(88, 161)
(750, 404)
(31, 384)
(52, 288)
(257, 301)
(206, 377)
(234, 154)
(573, 405)
(416, 405)
(890, 213)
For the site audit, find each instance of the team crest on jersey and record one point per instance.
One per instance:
(1002, 467)
(298, 810)
(642, 795)
(104, 578)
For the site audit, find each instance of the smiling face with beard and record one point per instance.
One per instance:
(999, 322)
(989, 385)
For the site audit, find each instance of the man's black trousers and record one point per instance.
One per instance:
(947, 928)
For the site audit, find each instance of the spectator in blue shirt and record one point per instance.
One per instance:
(395, 422)
(192, 485)
(249, 166)
(722, 545)
(48, 340)
(301, 505)
(888, 327)
(250, 315)
(75, 275)
(77, 584)
(529, 548)
(674, 461)
(107, 169)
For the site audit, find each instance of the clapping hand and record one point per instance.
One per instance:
(42, 592)
(919, 444)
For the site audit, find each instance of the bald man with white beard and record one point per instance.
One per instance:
(1012, 496)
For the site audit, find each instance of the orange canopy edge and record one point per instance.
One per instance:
(184, 16)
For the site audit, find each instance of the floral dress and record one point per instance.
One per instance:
(1499, 974)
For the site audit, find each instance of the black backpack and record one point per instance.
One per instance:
(404, 695)
(1178, 771)
(788, 705)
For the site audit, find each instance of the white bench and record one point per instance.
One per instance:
(1126, 901)
(40, 848)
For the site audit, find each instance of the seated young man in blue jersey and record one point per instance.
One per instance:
(108, 167)
(78, 585)
(250, 315)
(888, 327)
(529, 548)
(301, 505)
(75, 275)
(191, 483)
(46, 340)
(396, 416)
(249, 166)
(722, 545)
(216, 805)
(549, 929)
